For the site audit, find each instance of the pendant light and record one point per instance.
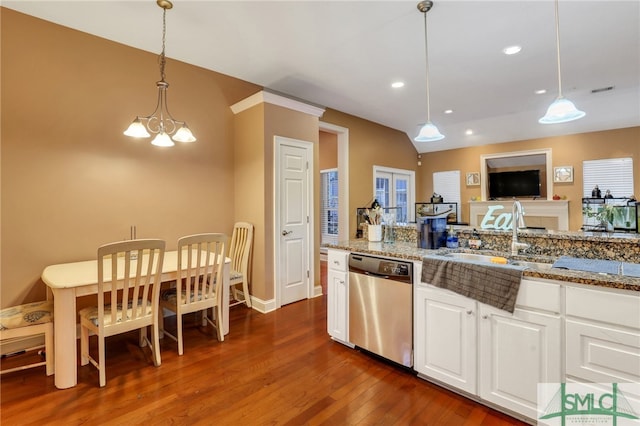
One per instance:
(562, 109)
(160, 121)
(429, 132)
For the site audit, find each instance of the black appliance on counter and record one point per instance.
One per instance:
(432, 232)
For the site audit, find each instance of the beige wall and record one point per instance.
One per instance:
(71, 181)
(569, 150)
(371, 144)
(328, 150)
(256, 129)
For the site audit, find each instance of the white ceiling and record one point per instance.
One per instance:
(344, 55)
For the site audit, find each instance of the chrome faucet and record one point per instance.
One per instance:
(517, 216)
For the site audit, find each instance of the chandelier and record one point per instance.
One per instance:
(161, 122)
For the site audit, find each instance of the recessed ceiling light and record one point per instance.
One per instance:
(469, 132)
(448, 111)
(511, 50)
(397, 84)
(541, 91)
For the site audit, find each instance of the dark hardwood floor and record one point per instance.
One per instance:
(279, 368)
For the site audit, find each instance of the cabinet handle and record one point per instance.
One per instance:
(469, 312)
(485, 317)
(336, 262)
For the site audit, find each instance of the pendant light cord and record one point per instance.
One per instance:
(558, 51)
(426, 56)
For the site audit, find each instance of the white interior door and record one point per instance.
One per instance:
(293, 220)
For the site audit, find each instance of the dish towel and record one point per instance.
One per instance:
(495, 285)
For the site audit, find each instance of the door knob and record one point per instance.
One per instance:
(285, 233)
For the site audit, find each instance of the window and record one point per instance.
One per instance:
(614, 174)
(447, 184)
(395, 188)
(329, 206)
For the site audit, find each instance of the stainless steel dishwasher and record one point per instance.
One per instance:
(380, 307)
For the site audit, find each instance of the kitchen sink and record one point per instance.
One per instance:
(487, 258)
(532, 265)
(471, 256)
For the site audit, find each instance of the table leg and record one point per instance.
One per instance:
(64, 305)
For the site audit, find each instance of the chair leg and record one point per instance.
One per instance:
(218, 313)
(247, 296)
(155, 346)
(142, 339)
(179, 327)
(84, 345)
(101, 363)
(49, 350)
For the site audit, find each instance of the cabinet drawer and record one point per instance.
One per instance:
(337, 260)
(539, 295)
(601, 353)
(601, 305)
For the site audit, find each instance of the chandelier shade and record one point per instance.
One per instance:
(160, 121)
(561, 110)
(429, 132)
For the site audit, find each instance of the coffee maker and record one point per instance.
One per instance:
(432, 232)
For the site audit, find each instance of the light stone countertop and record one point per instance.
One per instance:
(410, 251)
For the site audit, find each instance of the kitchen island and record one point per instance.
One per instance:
(567, 325)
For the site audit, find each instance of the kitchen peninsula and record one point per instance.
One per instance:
(567, 325)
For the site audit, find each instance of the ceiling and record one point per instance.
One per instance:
(344, 55)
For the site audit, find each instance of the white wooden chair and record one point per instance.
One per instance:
(240, 250)
(29, 320)
(200, 264)
(136, 267)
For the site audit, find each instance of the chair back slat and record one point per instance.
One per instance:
(240, 247)
(200, 264)
(135, 267)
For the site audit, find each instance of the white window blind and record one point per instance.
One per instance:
(447, 184)
(614, 174)
(329, 206)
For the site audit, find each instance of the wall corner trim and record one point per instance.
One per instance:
(275, 99)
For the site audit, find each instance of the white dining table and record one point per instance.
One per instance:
(68, 281)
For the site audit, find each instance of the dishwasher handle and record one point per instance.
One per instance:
(373, 274)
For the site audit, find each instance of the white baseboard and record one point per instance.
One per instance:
(263, 306)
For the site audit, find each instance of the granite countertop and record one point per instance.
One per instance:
(409, 251)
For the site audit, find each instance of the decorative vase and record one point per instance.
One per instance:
(374, 232)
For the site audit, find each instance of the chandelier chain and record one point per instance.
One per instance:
(162, 59)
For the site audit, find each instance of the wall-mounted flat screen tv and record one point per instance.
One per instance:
(523, 183)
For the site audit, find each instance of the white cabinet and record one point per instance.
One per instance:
(516, 352)
(445, 337)
(602, 335)
(484, 351)
(338, 295)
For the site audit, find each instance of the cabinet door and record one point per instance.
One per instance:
(516, 352)
(337, 304)
(445, 337)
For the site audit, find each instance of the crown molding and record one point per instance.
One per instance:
(275, 99)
